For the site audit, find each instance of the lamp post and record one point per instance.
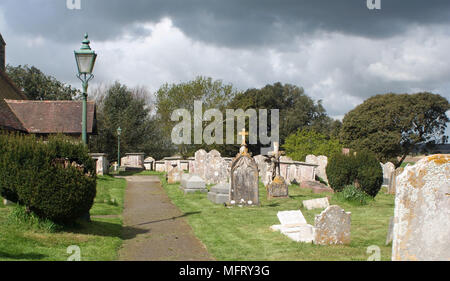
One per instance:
(119, 132)
(85, 58)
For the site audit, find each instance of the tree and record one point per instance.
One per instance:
(306, 142)
(297, 110)
(391, 125)
(129, 109)
(212, 93)
(38, 86)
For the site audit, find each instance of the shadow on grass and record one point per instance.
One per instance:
(106, 229)
(172, 218)
(22, 256)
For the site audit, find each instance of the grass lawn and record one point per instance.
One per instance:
(98, 240)
(238, 234)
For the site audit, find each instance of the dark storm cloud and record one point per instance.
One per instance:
(223, 22)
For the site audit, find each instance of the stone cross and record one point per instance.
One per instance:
(276, 154)
(243, 133)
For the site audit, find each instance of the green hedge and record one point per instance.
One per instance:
(54, 179)
(361, 169)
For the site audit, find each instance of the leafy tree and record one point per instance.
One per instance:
(391, 125)
(306, 142)
(170, 97)
(297, 110)
(129, 109)
(38, 86)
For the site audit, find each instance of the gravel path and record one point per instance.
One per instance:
(154, 228)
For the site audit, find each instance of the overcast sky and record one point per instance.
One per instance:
(338, 51)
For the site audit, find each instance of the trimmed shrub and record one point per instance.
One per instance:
(362, 170)
(54, 179)
(353, 194)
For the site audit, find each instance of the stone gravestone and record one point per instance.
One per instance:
(319, 203)
(133, 160)
(422, 209)
(216, 171)
(278, 188)
(332, 226)
(244, 178)
(393, 182)
(200, 163)
(294, 226)
(174, 176)
(220, 193)
(388, 170)
(193, 184)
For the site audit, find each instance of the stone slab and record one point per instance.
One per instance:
(288, 218)
(319, 203)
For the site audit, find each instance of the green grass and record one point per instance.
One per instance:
(244, 233)
(98, 240)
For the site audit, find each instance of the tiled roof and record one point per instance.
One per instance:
(8, 90)
(47, 117)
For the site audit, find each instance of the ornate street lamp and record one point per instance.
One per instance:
(119, 132)
(85, 58)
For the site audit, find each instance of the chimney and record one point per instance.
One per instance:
(2, 54)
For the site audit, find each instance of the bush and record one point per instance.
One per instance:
(54, 179)
(353, 194)
(362, 170)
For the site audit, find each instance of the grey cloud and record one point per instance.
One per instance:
(224, 22)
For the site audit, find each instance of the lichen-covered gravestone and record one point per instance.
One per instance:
(332, 226)
(422, 211)
(216, 168)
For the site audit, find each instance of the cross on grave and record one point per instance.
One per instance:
(276, 154)
(243, 133)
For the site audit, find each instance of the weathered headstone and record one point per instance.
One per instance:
(422, 209)
(174, 176)
(388, 170)
(200, 163)
(216, 171)
(393, 181)
(219, 193)
(278, 188)
(332, 226)
(319, 203)
(244, 178)
(194, 184)
(294, 225)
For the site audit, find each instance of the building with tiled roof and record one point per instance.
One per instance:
(39, 117)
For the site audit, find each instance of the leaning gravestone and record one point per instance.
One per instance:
(422, 209)
(193, 184)
(220, 193)
(244, 178)
(332, 226)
